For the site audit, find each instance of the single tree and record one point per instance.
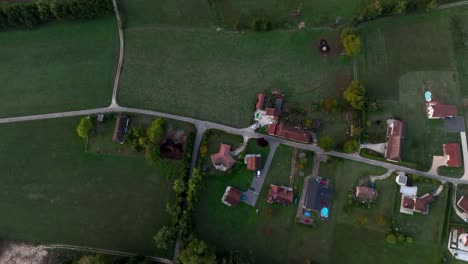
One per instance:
(157, 130)
(84, 127)
(391, 239)
(330, 105)
(351, 42)
(409, 240)
(355, 95)
(164, 237)
(203, 150)
(351, 146)
(197, 252)
(326, 143)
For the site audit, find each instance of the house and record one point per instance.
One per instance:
(458, 243)
(260, 101)
(436, 110)
(231, 196)
(410, 204)
(463, 203)
(223, 160)
(273, 113)
(318, 196)
(280, 194)
(289, 132)
(120, 129)
(365, 194)
(453, 154)
(394, 138)
(254, 162)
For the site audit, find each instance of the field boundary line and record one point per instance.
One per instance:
(104, 251)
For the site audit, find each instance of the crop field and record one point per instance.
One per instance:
(198, 72)
(60, 66)
(52, 191)
(400, 60)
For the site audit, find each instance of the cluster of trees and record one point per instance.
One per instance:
(398, 238)
(84, 127)
(351, 42)
(372, 9)
(148, 139)
(261, 24)
(30, 14)
(197, 251)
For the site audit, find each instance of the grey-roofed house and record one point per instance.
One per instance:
(319, 195)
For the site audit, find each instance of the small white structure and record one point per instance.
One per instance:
(401, 179)
(458, 245)
(409, 191)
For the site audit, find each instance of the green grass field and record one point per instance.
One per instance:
(401, 58)
(60, 66)
(195, 71)
(53, 192)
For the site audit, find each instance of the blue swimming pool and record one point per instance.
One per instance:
(324, 212)
(428, 96)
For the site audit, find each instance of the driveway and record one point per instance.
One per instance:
(257, 182)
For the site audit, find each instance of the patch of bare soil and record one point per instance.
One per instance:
(19, 253)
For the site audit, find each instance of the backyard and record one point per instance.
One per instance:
(272, 235)
(172, 65)
(396, 67)
(60, 66)
(55, 192)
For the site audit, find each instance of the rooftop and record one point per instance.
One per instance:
(120, 129)
(280, 194)
(223, 159)
(318, 195)
(231, 196)
(453, 154)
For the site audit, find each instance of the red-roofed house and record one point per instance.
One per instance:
(410, 204)
(293, 133)
(280, 194)
(437, 110)
(231, 196)
(254, 162)
(260, 100)
(223, 160)
(273, 113)
(463, 203)
(453, 154)
(394, 138)
(365, 194)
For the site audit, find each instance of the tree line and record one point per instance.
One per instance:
(30, 14)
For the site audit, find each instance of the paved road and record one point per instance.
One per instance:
(104, 251)
(237, 131)
(196, 147)
(257, 182)
(121, 55)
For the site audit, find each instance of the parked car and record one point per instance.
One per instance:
(252, 189)
(259, 173)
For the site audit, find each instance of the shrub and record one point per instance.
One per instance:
(351, 146)
(261, 24)
(326, 143)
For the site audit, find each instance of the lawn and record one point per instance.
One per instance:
(55, 192)
(199, 72)
(60, 66)
(368, 240)
(271, 235)
(400, 60)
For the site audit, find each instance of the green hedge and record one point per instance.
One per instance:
(30, 14)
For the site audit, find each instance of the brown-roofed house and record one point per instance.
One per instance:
(453, 154)
(120, 129)
(280, 194)
(463, 203)
(394, 139)
(438, 110)
(293, 133)
(421, 204)
(254, 162)
(365, 194)
(407, 202)
(223, 160)
(272, 112)
(231, 196)
(260, 100)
